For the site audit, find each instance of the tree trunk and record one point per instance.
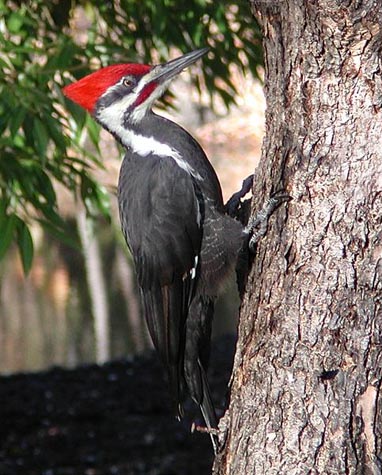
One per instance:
(306, 389)
(140, 337)
(96, 285)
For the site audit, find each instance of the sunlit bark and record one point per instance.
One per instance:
(306, 394)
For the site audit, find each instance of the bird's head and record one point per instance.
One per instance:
(124, 93)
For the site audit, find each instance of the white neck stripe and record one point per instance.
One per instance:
(148, 145)
(112, 118)
(145, 146)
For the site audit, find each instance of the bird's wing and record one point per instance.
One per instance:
(162, 224)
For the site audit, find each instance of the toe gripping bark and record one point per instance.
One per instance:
(255, 226)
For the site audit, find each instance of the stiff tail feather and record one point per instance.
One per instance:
(207, 409)
(176, 386)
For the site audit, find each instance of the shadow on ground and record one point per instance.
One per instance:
(113, 419)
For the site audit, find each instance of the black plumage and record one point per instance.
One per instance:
(172, 216)
(183, 248)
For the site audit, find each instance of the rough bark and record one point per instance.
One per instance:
(306, 390)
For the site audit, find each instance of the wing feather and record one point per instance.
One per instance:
(161, 221)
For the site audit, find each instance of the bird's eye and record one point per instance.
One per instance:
(127, 82)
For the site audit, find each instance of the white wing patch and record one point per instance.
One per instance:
(193, 270)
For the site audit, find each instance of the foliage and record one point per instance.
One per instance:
(44, 46)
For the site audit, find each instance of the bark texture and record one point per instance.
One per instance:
(306, 392)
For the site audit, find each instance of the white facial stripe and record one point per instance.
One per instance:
(145, 80)
(129, 98)
(140, 111)
(117, 109)
(112, 117)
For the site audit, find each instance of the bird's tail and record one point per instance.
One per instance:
(204, 400)
(207, 408)
(177, 390)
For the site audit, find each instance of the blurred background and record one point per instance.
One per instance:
(67, 285)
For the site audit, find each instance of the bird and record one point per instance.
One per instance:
(183, 242)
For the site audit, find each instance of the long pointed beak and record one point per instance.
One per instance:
(166, 71)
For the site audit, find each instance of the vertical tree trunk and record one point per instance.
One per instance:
(306, 392)
(96, 286)
(139, 333)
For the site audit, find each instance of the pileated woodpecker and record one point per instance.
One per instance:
(172, 215)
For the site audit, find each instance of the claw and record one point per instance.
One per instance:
(258, 225)
(234, 202)
(212, 431)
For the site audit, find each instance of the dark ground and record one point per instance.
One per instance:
(114, 419)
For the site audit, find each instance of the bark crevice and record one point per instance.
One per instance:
(309, 354)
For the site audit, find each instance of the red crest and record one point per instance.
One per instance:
(89, 89)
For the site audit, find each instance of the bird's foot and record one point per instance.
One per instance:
(233, 204)
(213, 433)
(205, 430)
(257, 225)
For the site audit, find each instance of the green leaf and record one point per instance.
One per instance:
(16, 120)
(41, 137)
(41, 132)
(25, 244)
(15, 22)
(102, 199)
(55, 132)
(93, 130)
(7, 228)
(62, 234)
(46, 188)
(79, 115)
